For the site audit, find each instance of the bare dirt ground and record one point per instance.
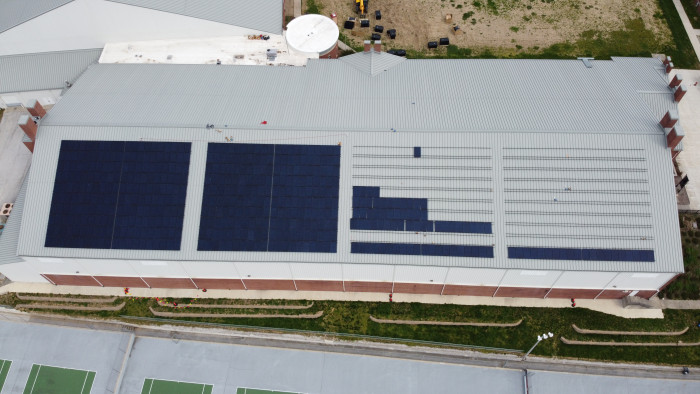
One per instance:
(501, 25)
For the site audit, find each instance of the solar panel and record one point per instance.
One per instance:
(422, 249)
(262, 197)
(371, 212)
(119, 195)
(641, 255)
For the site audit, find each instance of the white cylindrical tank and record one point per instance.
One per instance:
(313, 35)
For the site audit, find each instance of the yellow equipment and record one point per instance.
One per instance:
(360, 6)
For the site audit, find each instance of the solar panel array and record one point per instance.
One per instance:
(422, 249)
(580, 254)
(276, 198)
(588, 204)
(371, 212)
(451, 185)
(119, 195)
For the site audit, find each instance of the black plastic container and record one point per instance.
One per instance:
(432, 44)
(379, 29)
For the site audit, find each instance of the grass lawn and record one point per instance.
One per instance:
(687, 286)
(353, 318)
(634, 37)
(692, 12)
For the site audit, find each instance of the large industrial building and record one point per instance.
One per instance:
(506, 178)
(47, 44)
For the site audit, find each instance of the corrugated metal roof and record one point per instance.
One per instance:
(44, 71)
(16, 12)
(480, 95)
(263, 15)
(619, 198)
(372, 62)
(10, 234)
(554, 154)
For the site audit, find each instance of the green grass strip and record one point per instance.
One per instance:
(4, 370)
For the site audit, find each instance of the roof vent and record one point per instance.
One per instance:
(586, 61)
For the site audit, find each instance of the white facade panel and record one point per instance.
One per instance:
(474, 276)
(84, 24)
(64, 266)
(210, 269)
(21, 272)
(584, 280)
(420, 274)
(639, 281)
(106, 267)
(317, 271)
(368, 272)
(16, 99)
(264, 270)
(159, 269)
(530, 278)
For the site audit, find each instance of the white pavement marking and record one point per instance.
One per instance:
(87, 373)
(35, 379)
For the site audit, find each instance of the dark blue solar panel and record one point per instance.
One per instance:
(371, 212)
(119, 195)
(365, 191)
(645, 255)
(416, 151)
(422, 250)
(463, 227)
(280, 198)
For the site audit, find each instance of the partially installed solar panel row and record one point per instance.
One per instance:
(422, 249)
(640, 255)
(119, 195)
(371, 212)
(263, 197)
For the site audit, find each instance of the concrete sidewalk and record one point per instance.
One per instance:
(688, 27)
(14, 156)
(690, 121)
(612, 307)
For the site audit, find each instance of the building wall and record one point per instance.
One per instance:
(16, 99)
(336, 277)
(85, 24)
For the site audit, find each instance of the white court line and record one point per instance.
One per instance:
(74, 369)
(85, 381)
(8, 370)
(35, 378)
(181, 381)
(151, 388)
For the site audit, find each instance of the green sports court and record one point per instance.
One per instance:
(46, 379)
(157, 386)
